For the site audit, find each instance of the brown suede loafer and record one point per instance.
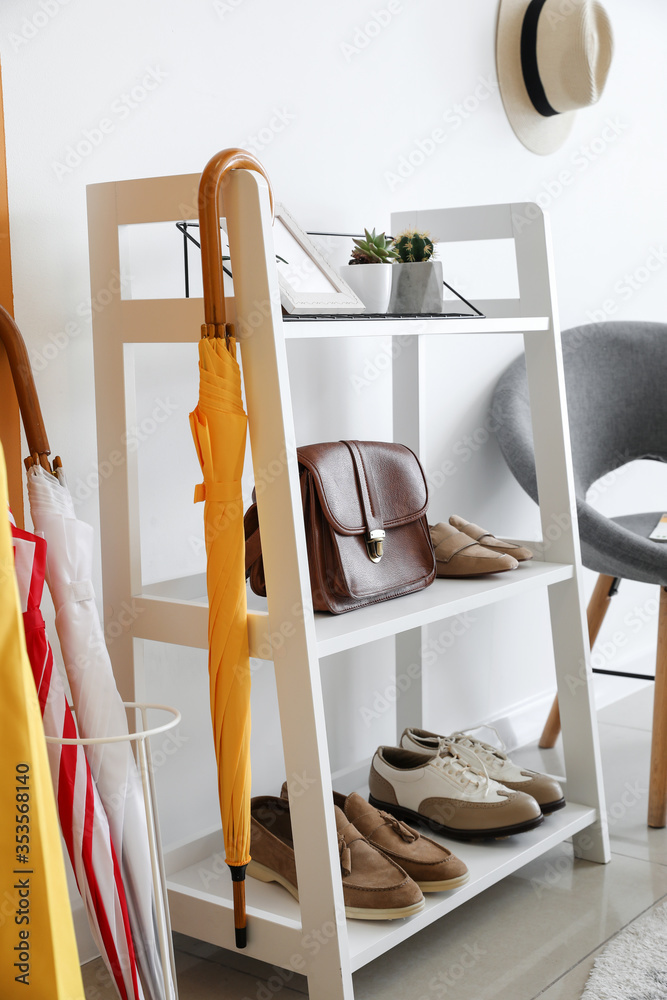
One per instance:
(457, 555)
(374, 886)
(431, 865)
(489, 541)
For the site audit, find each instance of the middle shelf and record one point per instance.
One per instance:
(176, 611)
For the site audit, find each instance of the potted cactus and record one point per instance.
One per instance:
(417, 278)
(372, 284)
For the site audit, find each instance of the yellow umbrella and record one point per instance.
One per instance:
(219, 425)
(36, 930)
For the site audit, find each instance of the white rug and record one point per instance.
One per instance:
(634, 965)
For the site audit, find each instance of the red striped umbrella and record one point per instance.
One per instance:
(99, 713)
(83, 820)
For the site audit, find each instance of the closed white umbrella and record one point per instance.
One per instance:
(83, 820)
(99, 711)
(83, 817)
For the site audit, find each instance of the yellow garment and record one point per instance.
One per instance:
(38, 956)
(219, 425)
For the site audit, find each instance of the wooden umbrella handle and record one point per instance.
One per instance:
(24, 383)
(209, 226)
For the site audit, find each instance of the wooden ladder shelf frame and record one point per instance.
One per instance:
(313, 936)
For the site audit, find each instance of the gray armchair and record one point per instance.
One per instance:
(616, 385)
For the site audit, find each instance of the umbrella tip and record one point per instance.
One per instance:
(238, 882)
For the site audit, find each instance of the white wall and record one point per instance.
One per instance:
(338, 114)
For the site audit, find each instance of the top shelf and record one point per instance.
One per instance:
(316, 327)
(163, 321)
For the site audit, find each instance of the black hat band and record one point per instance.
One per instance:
(531, 74)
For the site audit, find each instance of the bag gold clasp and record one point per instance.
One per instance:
(375, 544)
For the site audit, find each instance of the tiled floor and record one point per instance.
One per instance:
(536, 934)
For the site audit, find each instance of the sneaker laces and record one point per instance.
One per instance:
(463, 764)
(485, 752)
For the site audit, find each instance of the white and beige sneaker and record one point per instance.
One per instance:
(448, 793)
(546, 791)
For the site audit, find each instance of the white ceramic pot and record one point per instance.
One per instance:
(371, 282)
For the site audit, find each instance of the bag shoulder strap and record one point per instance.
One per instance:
(253, 540)
(368, 491)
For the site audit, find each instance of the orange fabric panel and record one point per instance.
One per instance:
(10, 426)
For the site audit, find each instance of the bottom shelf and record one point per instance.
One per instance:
(200, 894)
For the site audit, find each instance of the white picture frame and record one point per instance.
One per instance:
(309, 285)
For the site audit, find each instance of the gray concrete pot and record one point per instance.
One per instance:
(416, 288)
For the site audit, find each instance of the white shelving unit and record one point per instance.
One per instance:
(312, 935)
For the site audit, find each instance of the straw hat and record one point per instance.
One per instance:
(553, 58)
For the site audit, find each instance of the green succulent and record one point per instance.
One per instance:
(412, 246)
(373, 249)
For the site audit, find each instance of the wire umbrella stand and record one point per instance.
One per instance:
(145, 762)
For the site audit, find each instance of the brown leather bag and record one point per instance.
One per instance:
(364, 505)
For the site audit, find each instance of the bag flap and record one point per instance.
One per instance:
(398, 475)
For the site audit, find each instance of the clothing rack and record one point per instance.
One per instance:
(175, 611)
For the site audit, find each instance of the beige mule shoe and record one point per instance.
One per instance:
(485, 538)
(458, 555)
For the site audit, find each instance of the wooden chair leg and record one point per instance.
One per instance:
(657, 795)
(597, 609)
(551, 727)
